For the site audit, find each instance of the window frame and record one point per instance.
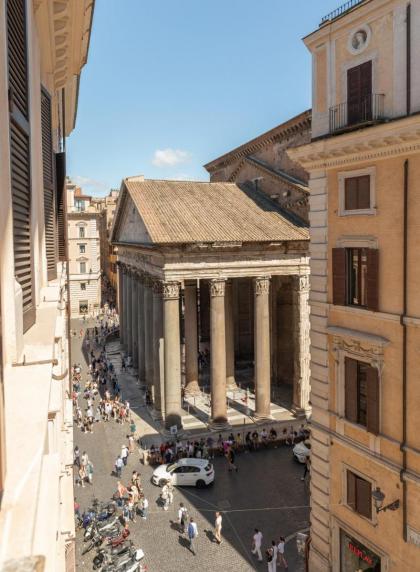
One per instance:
(347, 468)
(84, 286)
(80, 248)
(361, 285)
(80, 267)
(82, 233)
(342, 176)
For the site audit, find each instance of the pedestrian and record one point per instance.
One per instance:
(256, 543)
(89, 471)
(307, 468)
(280, 553)
(144, 508)
(182, 517)
(132, 426)
(192, 535)
(124, 454)
(118, 466)
(77, 456)
(82, 476)
(269, 555)
(165, 495)
(84, 459)
(170, 493)
(131, 444)
(218, 528)
(230, 456)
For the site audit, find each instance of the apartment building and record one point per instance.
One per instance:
(43, 47)
(84, 216)
(108, 257)
(364, 167)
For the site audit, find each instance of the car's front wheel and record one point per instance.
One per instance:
(162, 482)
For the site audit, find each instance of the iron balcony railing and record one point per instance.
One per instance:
(348, 114)
(340, 11)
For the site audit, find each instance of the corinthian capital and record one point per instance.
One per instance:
(170, 290)
(157, 287)
(217, 287)
(262, 285)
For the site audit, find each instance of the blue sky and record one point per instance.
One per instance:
(172, 84)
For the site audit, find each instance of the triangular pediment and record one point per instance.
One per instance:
(131, 227)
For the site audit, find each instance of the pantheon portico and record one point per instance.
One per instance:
(215, 260)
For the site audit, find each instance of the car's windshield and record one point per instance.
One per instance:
(171, 467)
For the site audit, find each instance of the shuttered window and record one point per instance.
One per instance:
(49, 185)
(362, 394)
(20, 166)
(355, 277)
(357, 193)
(60, 175)
(359, 494)
(359, 93)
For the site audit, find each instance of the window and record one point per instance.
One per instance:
(362, 394)
(81, 232)
(82, 285)
(357, 193)
(82, 267)
(82, 248)
(83, 306)
(359, 93)
(355, 277)
(79, 204)
(359, 495)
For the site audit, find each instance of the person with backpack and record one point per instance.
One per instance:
(182, 517)
(192, 535)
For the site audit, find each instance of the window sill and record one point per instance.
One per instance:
(373, 522)
(358, 212)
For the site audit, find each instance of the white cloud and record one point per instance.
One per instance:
(170, 157)
(89, 185)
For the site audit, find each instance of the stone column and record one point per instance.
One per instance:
(301, 381)
(148, 331)
(129, 314)
(134, 325)
(218, 354)
(120, 302)
(191, 339)
(172, 354)
(140, 328)
(158, 347)
(262, 373)
(124, 305)
(230, 341)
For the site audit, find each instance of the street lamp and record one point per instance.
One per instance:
(379, 497)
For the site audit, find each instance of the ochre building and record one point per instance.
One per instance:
(364, 168)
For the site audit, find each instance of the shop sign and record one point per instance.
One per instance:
(360, 553)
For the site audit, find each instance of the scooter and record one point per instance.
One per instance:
(98, 539)
(103, 528)
(107, 556)
(125, 565)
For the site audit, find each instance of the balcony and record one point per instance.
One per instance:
(348, 115)
(343, 9)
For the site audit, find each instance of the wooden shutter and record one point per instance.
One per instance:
(339, 276)
(350, 384)
(351, 490)
(372, 400)
(49, 182)
(350, 194)
(20, 165)
(372, 279)
(363, 497)
(363, 192)
(60, 173)
(359, 93)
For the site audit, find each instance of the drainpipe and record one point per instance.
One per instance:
(403, 446)
(408, 58)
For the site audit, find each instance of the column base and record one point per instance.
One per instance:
(219, 425)
(262, 417)
(172, 420)
(231, 383)
(192, 388)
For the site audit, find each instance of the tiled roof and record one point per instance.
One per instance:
(183, 212)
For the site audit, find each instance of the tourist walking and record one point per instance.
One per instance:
(256, 543)
(124, 454)
(192, 535)
(77, 456)
(230, 456)
(218, 528)
(280, 553)
(182, 517)
(118, 466)
(89, 472)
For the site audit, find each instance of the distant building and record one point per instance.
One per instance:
(43, 48)
(84, 215)
(107, 206)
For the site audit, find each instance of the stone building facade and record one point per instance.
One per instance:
(84, 217)
(364, 167)
(218, 247)
(106, 205)
(43, 48)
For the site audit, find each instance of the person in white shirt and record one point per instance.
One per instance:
(256, 543)
(272, 564)
(182, 517)
(218, 528)
(124, 454)
(280, 553)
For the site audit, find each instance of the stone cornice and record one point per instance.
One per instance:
(283, 131)
(399, 137)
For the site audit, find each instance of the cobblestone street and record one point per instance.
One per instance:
(267, 493)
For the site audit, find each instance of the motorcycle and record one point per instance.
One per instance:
(98, 539)
(106, 556)
(126, 565)
(104, 528)
(118, 540)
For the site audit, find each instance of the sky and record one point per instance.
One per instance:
(173, 84)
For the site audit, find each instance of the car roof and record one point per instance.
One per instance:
(193, 461)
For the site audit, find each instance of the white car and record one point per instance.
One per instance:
(188, 472)
(301, 452)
